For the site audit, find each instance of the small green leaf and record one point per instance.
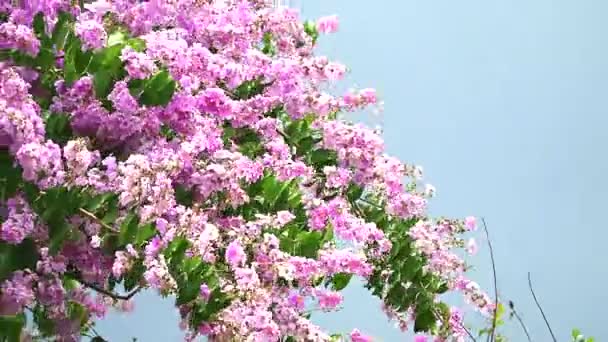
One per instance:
(311, 29)
(340, 281)
(137, 44)
(116, 38)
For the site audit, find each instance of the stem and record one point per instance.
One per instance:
(370, 203)
(493, 335)
(540, 308)
(521, 321)
(96, 219)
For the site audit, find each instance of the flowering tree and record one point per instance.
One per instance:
(188, 147)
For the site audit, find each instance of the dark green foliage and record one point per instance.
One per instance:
(57, 127)
(11, 327)
(10, 176)
(157, 90)
(17, 257)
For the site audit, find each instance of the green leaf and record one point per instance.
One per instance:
(78, 313)
(117, 38)
(58, 127)
(134, 276)
(183, 196)
(107, 59)
(17, 257)
(311, 29)
(354, 192)
(128, 229)
(39, 26)
(44, 324)
(268, 44)
(340, 281)
(58, 234)
(137, 44)
(158, 90)
(10, 176)
(73, 45)
(144, 233)
(323, 157)
(107, 68)
(102, 82)
(308, 244)
(45, 58)
(175, 252)
(425, 321)
(97, 202)
(11, 327)
(189, 291)
(61, 29)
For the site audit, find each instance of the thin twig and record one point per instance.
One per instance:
(375, 205)
(110, 293)
(493, 335)
(97, 219)
(521, 321)
(540, 308)
(438, 316)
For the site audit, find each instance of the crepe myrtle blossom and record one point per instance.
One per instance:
(192, 148)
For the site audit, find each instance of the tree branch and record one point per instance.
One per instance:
(495, 317)
(521, 321)
(540, 308)
(110, 294)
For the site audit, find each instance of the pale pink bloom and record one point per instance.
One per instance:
(472, 247)
(471, 223)
(328, 24)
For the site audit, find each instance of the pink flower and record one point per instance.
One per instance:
(235, 255)
(95, 241)
(296, 301)
(420, 338)
(205, 292)
(356, 336)
(369, 95)
(329, 300)
(472, 247)
(328, 24)
(284, 217)
(471, 223)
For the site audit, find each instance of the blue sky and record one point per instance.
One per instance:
(505, 105)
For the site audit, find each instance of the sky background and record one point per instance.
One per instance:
(505, 105)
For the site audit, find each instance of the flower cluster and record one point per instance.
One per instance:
(188, 147)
